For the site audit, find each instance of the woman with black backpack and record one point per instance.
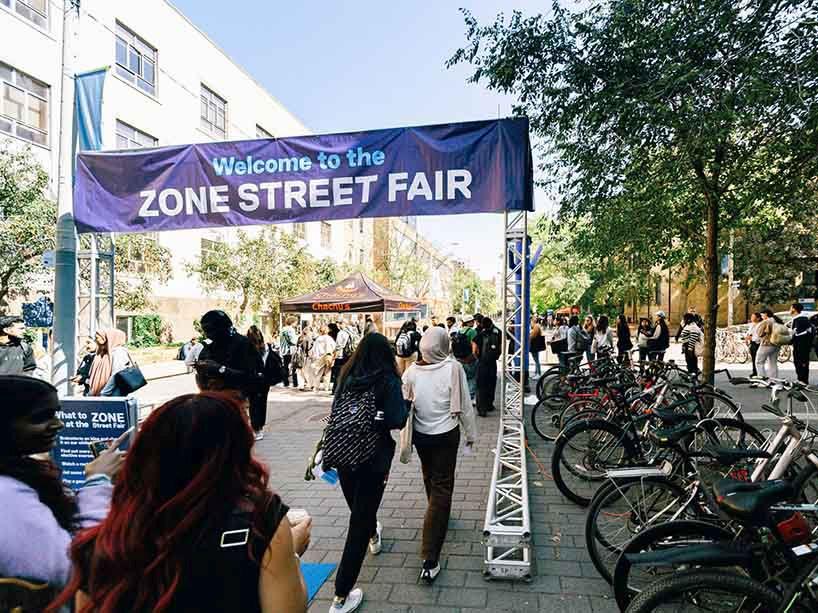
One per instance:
(368, 405)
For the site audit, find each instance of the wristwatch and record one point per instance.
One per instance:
(222, 369)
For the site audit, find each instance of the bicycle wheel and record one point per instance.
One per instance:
(710, 590)
(802, 594)
(631, 579)
(621, 510)
(584, 453)
(545, 416)
(730, 433)
(551, 372)
(717, 404)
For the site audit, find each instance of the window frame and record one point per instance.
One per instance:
(262, 133)
(133, 42)
(29, 13)
(208, 97)
(23, 82)
(136, 131)
(326, 241)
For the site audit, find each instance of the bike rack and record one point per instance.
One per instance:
(507, 528)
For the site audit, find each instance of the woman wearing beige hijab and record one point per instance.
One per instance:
(110, 358)
(437, 384)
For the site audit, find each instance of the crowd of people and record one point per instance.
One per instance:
(185, 519)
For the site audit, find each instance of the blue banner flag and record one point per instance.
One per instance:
(88, 88)
(474, 167)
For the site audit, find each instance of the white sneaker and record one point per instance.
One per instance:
(375, 544)
(428, 575)
(259, 435)
(350, 603)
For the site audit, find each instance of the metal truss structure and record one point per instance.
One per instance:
(507, 529)
(95, 285)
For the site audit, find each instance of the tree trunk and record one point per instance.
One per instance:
(712, 274)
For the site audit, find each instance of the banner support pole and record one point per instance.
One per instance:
(65, 266)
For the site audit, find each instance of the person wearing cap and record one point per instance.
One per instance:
(659, 341)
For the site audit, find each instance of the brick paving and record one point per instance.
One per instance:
(564, 578)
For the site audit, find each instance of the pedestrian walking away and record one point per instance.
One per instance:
(559, 341)
(258, 398)
(344, 348)
(322, 357)
(692, 339)
(16, 355)
(623, 340)
(578, 341)
(803, 336)
(773, 334)
(438, 388)
(301, 362)
(193, 505)
(288, 344)
(536, 345)
(407, 343)
(487, 346)
(368, 404)
(753, 340)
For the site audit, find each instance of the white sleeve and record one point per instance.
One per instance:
(467, 418)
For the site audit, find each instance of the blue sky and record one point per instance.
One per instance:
(352, 65)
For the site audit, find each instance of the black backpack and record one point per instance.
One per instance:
(461, 346)
(351, 437)
(492, 345)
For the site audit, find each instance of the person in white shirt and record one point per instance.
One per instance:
(603, 337)
(437, 384)
(322, 356)
(753, 339)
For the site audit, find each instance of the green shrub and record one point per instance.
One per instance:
(147, 331)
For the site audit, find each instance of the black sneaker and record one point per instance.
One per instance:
(430, 571)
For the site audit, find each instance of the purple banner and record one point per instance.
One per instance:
(474, 167)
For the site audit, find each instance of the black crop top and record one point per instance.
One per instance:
(222, 573)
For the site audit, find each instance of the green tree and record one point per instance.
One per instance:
(140, 261)
(663, 121)
(27, 222)
(480, 294)
(258, 271)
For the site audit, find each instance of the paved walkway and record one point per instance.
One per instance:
(565, 579)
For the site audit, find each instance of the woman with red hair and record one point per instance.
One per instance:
(193, 525)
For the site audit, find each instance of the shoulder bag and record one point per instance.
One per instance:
(129, 379)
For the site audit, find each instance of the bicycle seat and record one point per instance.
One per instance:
(672, 418)
(731, 455)
(750, 501)
(670, 437)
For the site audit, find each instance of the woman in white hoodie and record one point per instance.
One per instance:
(440, 391)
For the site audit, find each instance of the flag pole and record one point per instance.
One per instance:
(65, 269)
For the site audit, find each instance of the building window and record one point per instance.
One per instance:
(135, 60)
(135, 257)
(213, 113)
(36, 11)
(299, 231)
(326, 234)
(23, 106)
(262, 133)
(128, 137)
(361, 257)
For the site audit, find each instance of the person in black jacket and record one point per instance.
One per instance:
(803, 335)
(16, 355)
(84, 369)
(660, 341)
(371, 367)
(229, 361)
(624, 344)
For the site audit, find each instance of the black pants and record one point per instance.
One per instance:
(691, 360)
(258, 409)
(753, 352)
(336, 370)
(288, 372)
(363, 490)
(657, 356)
(801, 347)
(486, 386)
(438, 460)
